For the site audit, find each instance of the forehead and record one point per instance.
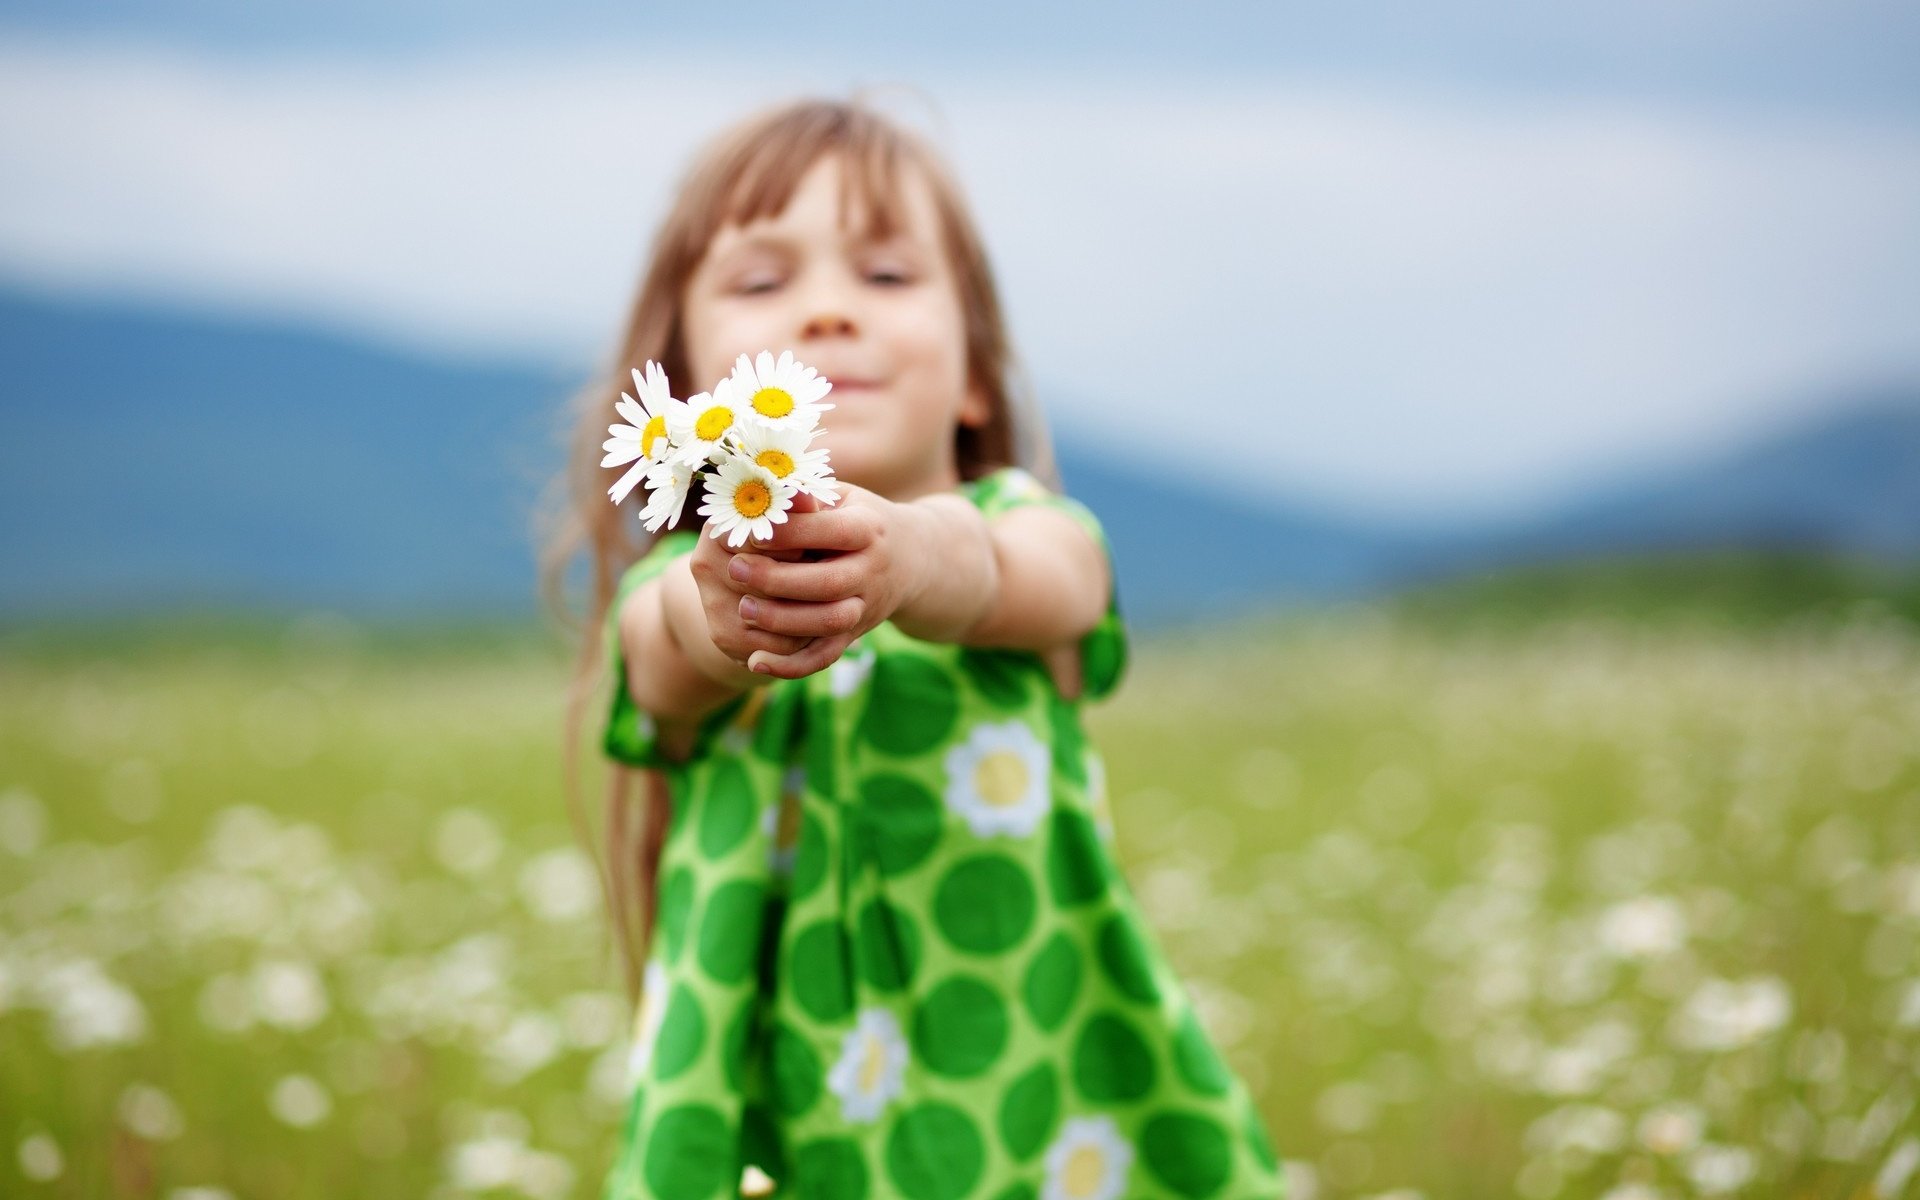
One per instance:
(829, 202)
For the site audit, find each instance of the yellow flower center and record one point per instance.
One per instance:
(777, 461)
(713, 423)
(772, 402)
(1082, 1174)
(752, 498)
(655, 430)
(1001, 778)
(872, 1062)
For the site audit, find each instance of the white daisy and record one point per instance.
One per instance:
(785, 394)
(667, 487)
(700, 430)
(644, 441)
(782, 449)
(997, 779)
(647, 1018)
(872, 1063)
(1088, 1161)
(744, 499)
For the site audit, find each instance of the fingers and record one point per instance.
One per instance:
(710, 566)
(826, 528)
(818, 655)
(835, 578)
(803, 619)
(742, 645)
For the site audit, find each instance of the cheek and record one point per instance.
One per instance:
(716, 336)
(938, 342)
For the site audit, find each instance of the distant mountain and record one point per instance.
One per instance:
(1845, 483)
(151, 461)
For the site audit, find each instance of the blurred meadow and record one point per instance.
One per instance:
(1483, 893)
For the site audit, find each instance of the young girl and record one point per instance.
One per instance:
(895, 956)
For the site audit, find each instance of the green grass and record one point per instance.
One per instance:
(1503, 893)
(1742, 588)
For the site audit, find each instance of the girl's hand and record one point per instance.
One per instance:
(873, 563)
(720, 602)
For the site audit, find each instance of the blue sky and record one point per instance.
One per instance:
(1414, 259)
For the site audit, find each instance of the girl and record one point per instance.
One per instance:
(894, 954)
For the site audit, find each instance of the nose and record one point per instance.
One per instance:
(828, 300)
(828, 323)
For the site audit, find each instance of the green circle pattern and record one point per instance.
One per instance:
(820, 971)
(676, 908)
(888, 949)
(1125, 959)
(934, 1152)
(901, 822)
(730, 930)
(728, 810)
(1111, 1061)
(689, 1153)
(1077, 870)
(795, 1069)
(912, 704)
(1196, 1058)
(1052, 981)
(1003, 677)
(1189, 1153)
(683, 1030)
(1029, 1109)
(960, 1028)
(832, 1169)
(985, 904)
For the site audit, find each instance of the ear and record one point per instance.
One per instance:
(975, 409)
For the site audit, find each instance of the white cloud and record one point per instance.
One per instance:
(1413, 302)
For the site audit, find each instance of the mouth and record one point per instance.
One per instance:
(849, 383)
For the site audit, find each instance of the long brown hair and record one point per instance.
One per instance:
(748, 171)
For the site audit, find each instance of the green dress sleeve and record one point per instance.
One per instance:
(631, 736)
(1103, 650)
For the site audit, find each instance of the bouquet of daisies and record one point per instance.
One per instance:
(746, 441)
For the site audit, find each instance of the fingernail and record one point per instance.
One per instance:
(760, 667)
(749, 609)
(737, 567)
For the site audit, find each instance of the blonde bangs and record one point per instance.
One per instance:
(754, 174)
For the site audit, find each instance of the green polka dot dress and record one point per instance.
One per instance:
(895, 956)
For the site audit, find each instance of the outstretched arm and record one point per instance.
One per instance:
(685, 645)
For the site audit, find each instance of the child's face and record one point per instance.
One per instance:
(881, 320)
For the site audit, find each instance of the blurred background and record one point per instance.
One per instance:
(1522, 759)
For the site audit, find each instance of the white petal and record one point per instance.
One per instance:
(628, 482)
